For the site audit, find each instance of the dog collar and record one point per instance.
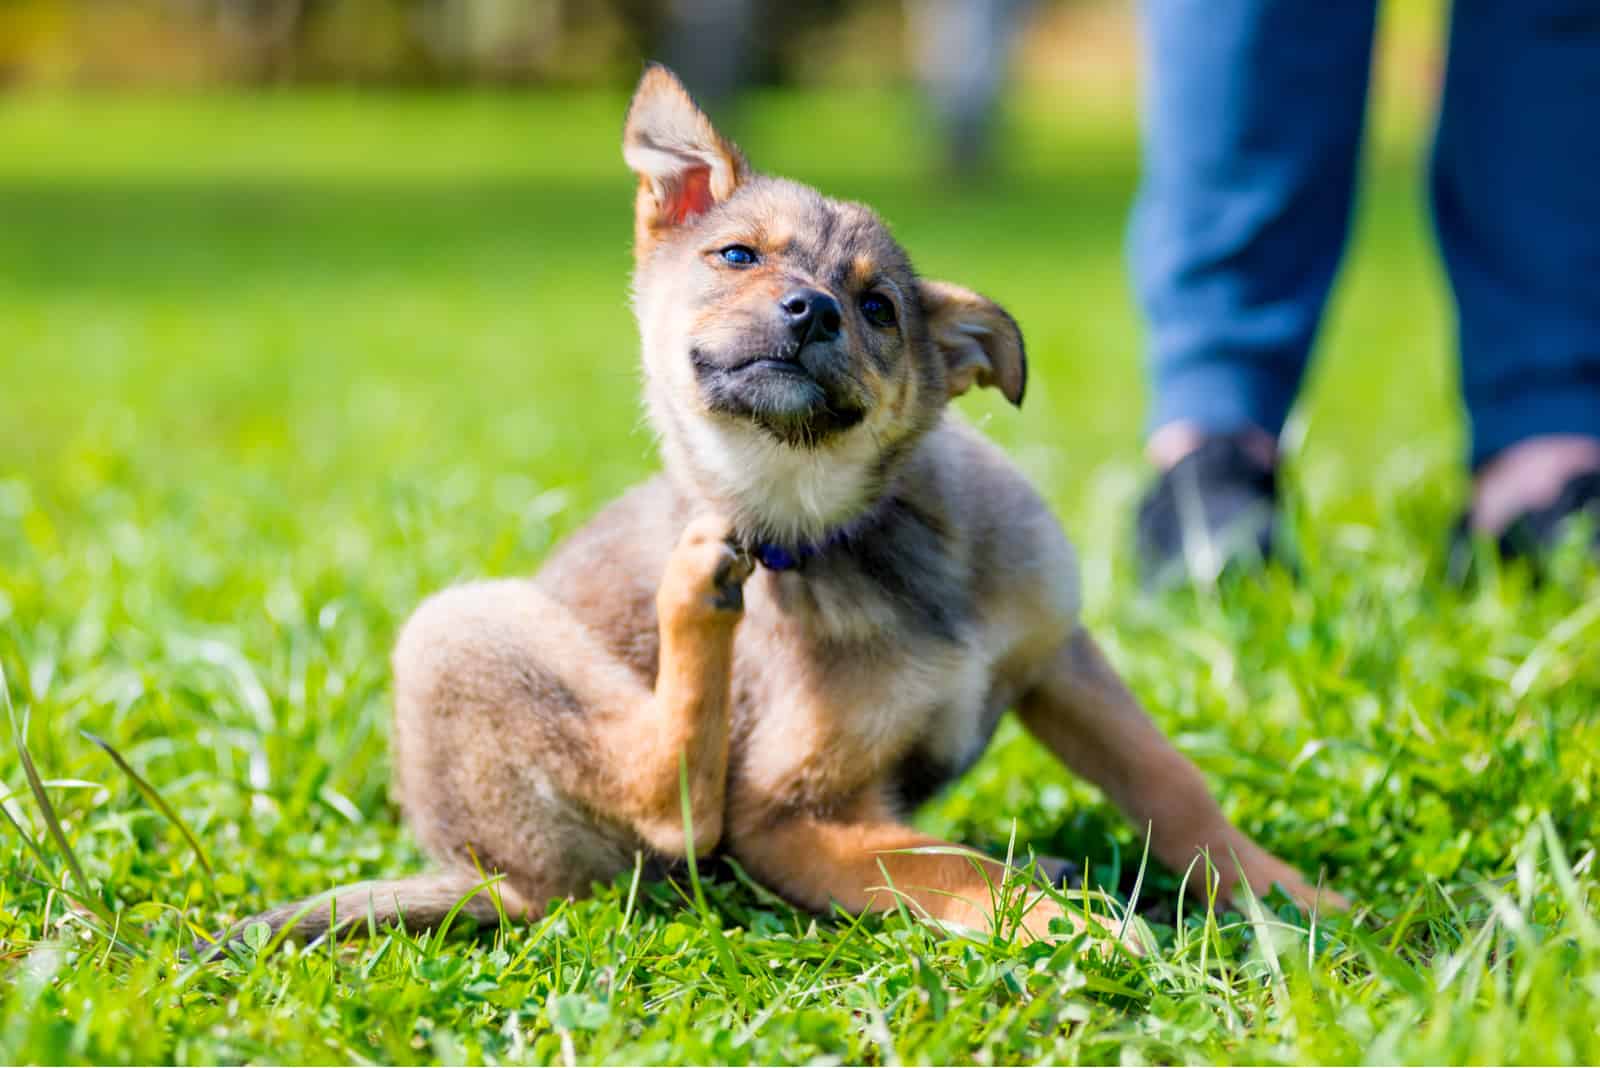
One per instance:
(777, 558)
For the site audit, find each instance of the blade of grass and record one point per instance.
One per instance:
(159, 803)
(1138, 885)
(493, 884)
(55, 784)
(33, 847)
(765, 896)
(487, 883)
(47, 810)
(27, 839)
(1258, 922)
(327, 897)
(85, 916)
(1567, 882)
(713, 927)
(782, 1000)
(899, 898)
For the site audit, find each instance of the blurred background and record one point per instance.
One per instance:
(313, 274)
(213, 118)
(965, 53)
(539, 42)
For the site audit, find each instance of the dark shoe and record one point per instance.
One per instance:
(1214, 508)
(1534, 535)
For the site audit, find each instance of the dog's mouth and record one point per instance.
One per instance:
(800, 397)
(783, 365)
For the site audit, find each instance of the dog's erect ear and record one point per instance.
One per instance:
(980, 343)
(684, 165)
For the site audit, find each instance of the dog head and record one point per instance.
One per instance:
(792, 356)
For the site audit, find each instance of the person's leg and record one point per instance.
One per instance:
(1252, 118)
(1516, 196)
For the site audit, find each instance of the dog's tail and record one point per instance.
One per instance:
(419, 903)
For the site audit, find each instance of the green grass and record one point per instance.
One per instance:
(273, 369)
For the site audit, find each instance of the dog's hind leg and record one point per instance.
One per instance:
(524, 748)
(524, 744)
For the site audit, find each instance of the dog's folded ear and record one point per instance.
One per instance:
(684, 165)
(980, 343)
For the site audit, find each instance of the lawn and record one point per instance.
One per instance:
(272, 369)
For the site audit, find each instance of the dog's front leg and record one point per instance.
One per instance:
(1086, 715)
(865, 860)
(685, 722)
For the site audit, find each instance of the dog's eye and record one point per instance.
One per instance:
(738, 255)
(877, 309)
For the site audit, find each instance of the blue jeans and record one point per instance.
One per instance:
(1252, 118)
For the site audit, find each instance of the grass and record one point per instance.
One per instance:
(272, 369)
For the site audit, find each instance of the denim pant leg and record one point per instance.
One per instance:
(1252, 115)
(1516, 198)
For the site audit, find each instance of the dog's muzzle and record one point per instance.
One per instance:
(800, 394)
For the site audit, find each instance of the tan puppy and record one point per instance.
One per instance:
(911, 588)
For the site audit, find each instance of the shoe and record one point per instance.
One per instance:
(1214, 509)
(1535, 534)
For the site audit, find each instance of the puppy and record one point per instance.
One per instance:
(808, 624)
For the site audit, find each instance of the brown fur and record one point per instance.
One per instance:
(540, 725)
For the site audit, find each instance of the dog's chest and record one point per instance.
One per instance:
(899, 706)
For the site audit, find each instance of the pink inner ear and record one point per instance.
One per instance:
(691, 196)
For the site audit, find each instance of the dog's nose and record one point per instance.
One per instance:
(812, 315)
